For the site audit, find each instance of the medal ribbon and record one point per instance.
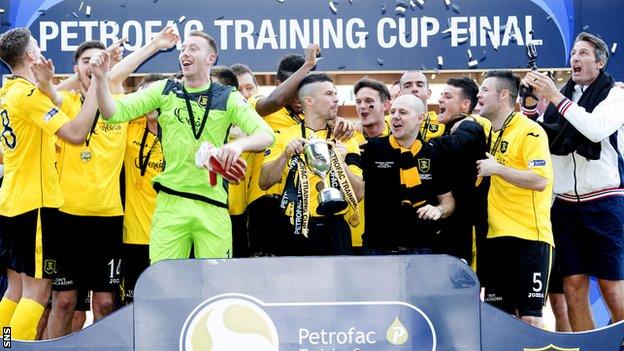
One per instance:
(197, 133)
(144, 160)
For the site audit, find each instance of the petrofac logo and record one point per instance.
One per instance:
(238, 322)
(230, 324)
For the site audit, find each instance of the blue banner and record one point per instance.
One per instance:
(355, 35)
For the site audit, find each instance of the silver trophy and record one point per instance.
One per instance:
(330, 200)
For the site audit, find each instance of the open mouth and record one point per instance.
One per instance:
(576, 69)
(186, 63)
(364, 114)
(442, 110)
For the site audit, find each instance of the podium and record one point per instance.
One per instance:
(422, 302)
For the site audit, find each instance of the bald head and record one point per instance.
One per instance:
(410, 102)
(407, 113)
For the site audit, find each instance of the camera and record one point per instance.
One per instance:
(526, 93)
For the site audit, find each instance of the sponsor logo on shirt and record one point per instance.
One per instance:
(537, 163)
(48, 116)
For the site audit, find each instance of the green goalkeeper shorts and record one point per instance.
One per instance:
(179, 222)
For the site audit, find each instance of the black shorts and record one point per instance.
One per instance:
(589, 237)
(240, 238)
(516, 274)
(135, 260)
(83, 300)
(88, 253)
(18, 242)
(269, 227)
(327, 236)
(555, 284)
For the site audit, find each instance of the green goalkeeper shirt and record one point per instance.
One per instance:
(178, 139)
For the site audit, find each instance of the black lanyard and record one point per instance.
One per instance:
(294, 116)
(92, 131)
(303, 131)
(499, 138)
(197, 133)
(144, 160)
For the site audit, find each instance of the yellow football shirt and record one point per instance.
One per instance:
(515, 211)
(29, 123)
(139, 171)
(278, 121)
(89, 174)
(295, 132)
(237, 193)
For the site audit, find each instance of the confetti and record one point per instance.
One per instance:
(181, 19)
(399, 9)
(462, 40)
(122, 4)
(613, 48)
(433, 76)
(585, 28)
(473, 63)
(440, 61)
(333, 8)
(496, 47)
(469, 53)
(483, 56)
(341, 67)
(447, 3)
(383, 9)
(548, 19)
(80, 7)
(421, 2)
(422, 67)
(455, 8)
(88, 11)
(280, 1)
(1, 10)
(75, 14)
(380, 61)
(350, 2)
(220, 18)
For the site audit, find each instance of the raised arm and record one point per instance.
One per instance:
(605, 119)
(100, 66)
(44, 72)
(288, 88)
(166, 39)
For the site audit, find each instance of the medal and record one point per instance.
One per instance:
(86, 155)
